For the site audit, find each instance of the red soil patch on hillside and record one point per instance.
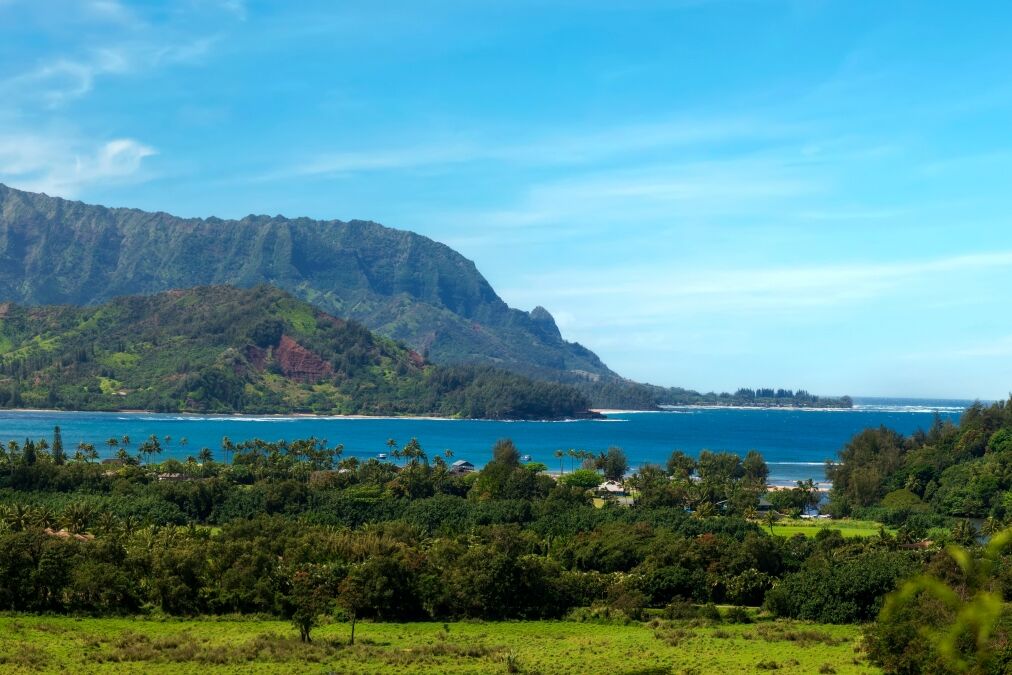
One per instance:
(298, 363)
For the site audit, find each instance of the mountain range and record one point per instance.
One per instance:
(400, 284)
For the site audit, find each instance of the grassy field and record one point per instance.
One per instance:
(809, 528)
(51, 644)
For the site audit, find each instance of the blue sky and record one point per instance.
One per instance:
(708, 194)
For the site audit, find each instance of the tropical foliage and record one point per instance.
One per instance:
(259, 350)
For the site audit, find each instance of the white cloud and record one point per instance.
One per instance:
(61, 166)
(236, 7)
(567, 147)
(110, 10)
(376, 160)
(64, 79)
(997, 348)
(648, 293)
(660, 194)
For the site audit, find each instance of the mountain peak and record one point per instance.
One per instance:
(545, 322)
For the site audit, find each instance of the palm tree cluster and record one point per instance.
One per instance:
(76, 518)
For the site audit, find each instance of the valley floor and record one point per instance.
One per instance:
(52, 644)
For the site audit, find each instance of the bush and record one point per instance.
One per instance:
(850, 590)
(738, 615)
(582, 478)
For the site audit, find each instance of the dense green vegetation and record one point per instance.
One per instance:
(951, 482)
(295, 532)
(919, 481)
(281, 523)
(222, 349)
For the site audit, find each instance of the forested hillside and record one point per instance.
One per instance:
(223, 349)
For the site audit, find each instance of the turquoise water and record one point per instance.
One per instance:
(795, 443)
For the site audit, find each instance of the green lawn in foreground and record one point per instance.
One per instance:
(50, 644)
(809, 528)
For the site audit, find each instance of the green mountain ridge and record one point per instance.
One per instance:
(223, 349)
(398, 283)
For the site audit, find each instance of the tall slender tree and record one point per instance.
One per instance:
(59, 457)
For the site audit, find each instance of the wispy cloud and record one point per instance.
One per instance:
(110, 10)
(40, 147)
(656, 193)
(65, 166)
(67, 78)
(236, 7)
(546, 149)
(339, 163)
(660, 292)
(997, 348)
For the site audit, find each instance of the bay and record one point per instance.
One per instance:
(795, 442)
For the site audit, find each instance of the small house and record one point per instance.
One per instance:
(173, 476)
(461, 467)
(610, 488)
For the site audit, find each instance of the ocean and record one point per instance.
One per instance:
(796, 443)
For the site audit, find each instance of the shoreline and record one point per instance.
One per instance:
(292, 415)
(132, 411)
(703, 406)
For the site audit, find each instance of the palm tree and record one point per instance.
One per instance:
(130, 523)
(112, 443)
(13, 452)
(86, 452)
(151, 446)
(107, 523)
(991, 526)
(771, 517)
(44, 517)
(227, 446)
(205, 456)
(17, 516)
(76, 517)
(561, 456)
